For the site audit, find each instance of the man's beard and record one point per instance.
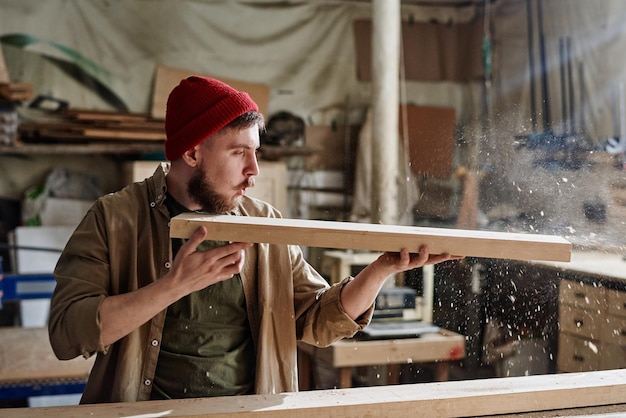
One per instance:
(202, 192)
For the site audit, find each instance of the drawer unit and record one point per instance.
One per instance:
(617, 302)
(582, 295)
(580, 322)
(613, 357)
(592, 321)
(614, 330)
(578, 354)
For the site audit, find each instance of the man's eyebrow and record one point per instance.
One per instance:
(242, 145)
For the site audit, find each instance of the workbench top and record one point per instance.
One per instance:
(26, 356)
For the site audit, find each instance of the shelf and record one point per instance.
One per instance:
(91, 148)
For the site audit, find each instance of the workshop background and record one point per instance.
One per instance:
(513, 118)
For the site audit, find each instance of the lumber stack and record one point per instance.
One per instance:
(15, 92)
(89, 126)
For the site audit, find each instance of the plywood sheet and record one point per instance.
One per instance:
(374, 237)
(167, 78)
(431, 139)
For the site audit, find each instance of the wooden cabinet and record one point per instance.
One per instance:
(592, 321)
(271, 184)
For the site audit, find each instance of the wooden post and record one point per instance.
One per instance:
(385, 83)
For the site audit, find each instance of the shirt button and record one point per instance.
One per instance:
(155, 343)
(147, 382)
(152, 204)
(167, 264)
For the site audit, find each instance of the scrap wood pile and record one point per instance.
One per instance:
(89, 126)
(15, 91)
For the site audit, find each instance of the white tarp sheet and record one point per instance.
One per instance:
(304, 51)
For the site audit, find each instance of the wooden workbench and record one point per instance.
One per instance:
(26, 359)
(440, 348)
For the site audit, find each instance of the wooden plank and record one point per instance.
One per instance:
(26, 356)
(118, 134)
(99, 128)
(16, 91)
(442, 346)
(88, 134)
(360, 236)
(480, 397)
(82, 114)
(147, 126)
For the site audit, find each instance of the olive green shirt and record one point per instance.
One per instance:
(123, 244)
(207, 347)
(206, 338)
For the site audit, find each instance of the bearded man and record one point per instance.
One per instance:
(170, 318)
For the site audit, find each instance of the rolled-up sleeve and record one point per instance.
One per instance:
(82, 276)
(321, 319)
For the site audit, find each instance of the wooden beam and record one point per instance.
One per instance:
(374, 237)
(481, 397)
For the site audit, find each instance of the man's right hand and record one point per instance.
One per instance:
(191, 270)
(199, 269)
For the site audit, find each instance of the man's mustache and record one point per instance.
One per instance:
(249, 182)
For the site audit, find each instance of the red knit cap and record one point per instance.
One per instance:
(199, 107)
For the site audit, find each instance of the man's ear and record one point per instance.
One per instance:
(190, 156)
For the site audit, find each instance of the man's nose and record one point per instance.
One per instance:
(252, 168)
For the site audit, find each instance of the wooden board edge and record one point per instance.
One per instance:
(360, 236)
(480, 397)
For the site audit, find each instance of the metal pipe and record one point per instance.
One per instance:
(570, 79)
(545, 100)
(564, 110)
(531, 65)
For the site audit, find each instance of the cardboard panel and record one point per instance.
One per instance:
(431, 139)
(167, 78)
(431, 51)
